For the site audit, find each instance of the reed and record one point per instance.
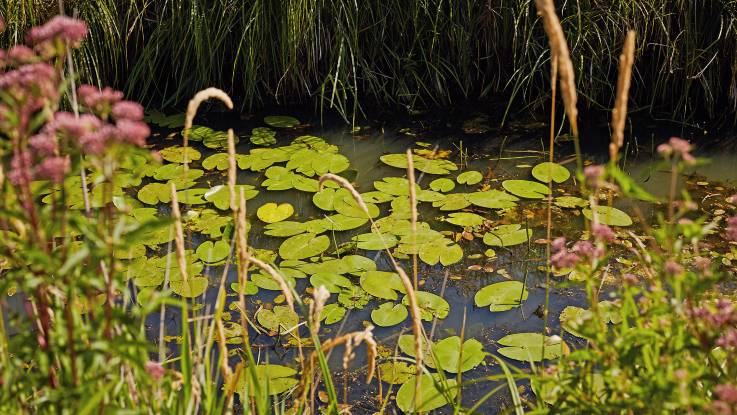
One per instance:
(619, 112)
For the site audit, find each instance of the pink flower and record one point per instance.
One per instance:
(128, 110)
(96, 141)
(20, 168)
(73, 128)
(665, 149)
(21, 55)
(726, 393)
(728, 340)
(50, 38)
(593, 174)
(561, 257)
(603, 232)
(44, 143)
(587, 249)
(672, 267)
(133, 132)
(99, 101)
(54, 169)
(732, 228)
(155, 369)
(679, 147)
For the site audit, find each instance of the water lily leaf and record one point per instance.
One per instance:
(285, 229)
(431, 305)
(347, 206)
(154, 193)
(570, 202)
(251, 288)
(278, 178)
(527, 347)
(275, 379)
(192, 196)
(217, 161)
(501, 296)
(163, 120)
(213, 252)
(395, 186)
(547, 172)
(507, 235)
(446, 355)
(609, 216)
(441, 250)
(330, 163)
(406, 344)
(526, 188)
(492, 199)
(279, 320)
(389, 314)
(376, 197)
(209, 222)
(177, 154)
(272, 213)
(429, 166)
(220, 195)
(356, 265)
(453, 201)
(192, 287)
(177, 173)
(442, 185)
(340, 222)
(210, 138)
(267, 282)
(304, 246)
(432, 395)
(470, 177)
(425, 195)
(465, 219)
(331, 281)
(382, 284)
(281, 121)
(332, 313)
(325, 199)
(396, 372)
(373, 241)
(353, 297)
(263, 136)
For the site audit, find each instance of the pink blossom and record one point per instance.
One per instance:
(672, 267)
(21, 55)
(728, 340)
(593, 174)
(727, 393)
(53, 168)
(34, 82)
(44, 143)
(20, 168)
(564, 259)
(155, 369)
(603, 232)
(679, 147)
(99, 101)
(133, 132)
(58, 29)
(72, 127)
(558, 243)
(587, 249)
(665, 149)
(128, 110)
(96, 141)
(732, 228)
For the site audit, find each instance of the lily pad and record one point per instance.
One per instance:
(279, 320)
(434, 393)
(527, 347)
(609, 216)
(442, 250)
(263, 136)
(465, 219)
(507, 235)
(213, 252)
(526, 188)
(192, 287)
(389, 314)
(447, 353)
(304, 246)
(154, 193)
(276, 379)
(177, 154)
(501, 296)
(453, 201)
(547, 172)
(192, 196)
(382, 284)
(331, 281)
(429, 166)
(430, 305)
(570, 202)
(492, 199)
(220, 195)
(281, 121)
(470, 177)
(442, 185)
(217, 161)
(272, 213)
(332, 313)
(396, 372)
(373, 241)
(353, 297)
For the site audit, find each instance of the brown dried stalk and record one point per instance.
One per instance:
(619, 112)
(178, 232)
(319, 297)
(194, 104)
(232, 172)
(351, 341)
(413, 210)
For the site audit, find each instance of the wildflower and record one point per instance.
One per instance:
(21, 55)
(53, 168)
(588, 250)
(44, 144)
(99, 101)
(20, 168)
(728, 340)
(52, 38)
(155, 369)
(727, 393)
(593, 174)
(672, 267)
(128, 110)
(677, 146)
(603, 232)
(631, 279)
(132, 132)
(561, 257)
(95, 142)
(732, 228)
(703, 265)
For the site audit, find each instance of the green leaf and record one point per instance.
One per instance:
(217, 161)
(465, 219)
(433, 394)
(429, 166)
(507, 235)
(276, 379)
(570, 202)
(492, 199)
(154, 193)
(446, 355)
(442, 250)
(332, 313)
(192, 287)
(177, 154)
(442, 185)
(453, 201)
(375, 241)
(527, 347)
(331, 281)
(304, 246)
(213, 252)
(220, 195)
(431, 305)
(272, 213)
(263, 136)
(470, 177)
(281, 121)
(501, 296)
(280, 319)
(396, 372)
(389, 314)
(547, 172)
(192, 196)
(526, 189)
(609, 216)
(382, 284)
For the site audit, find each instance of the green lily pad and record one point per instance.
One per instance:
(275, 379)
(347, 206)
(325, 199)
(406, 344)
(213, 252)
(217, 161)
(609, 216)
(342, 222)
(220, 195)
(281, 121)
(285, 229)
(272, 213)
(501, 296)
(570, 202)
(178, 174)
(526, 189)
(375, 241)
(527, 347)
(263, 136)
(267, 282)
(395, 186)
(331, 281)
(465, 219)
(251, 289)
(492, 199)
(430, 305)
(442, 185)
(353, 297)
(192, 287)
(389, 314)
(507, 235)
(470, 177)
(154, 193)
(192, 196)
(442, 250)
(434, 394)
(550, 172)
(209, 222)
(453, 201)
(447, 353)
(163, 120)
(396, 372)
(429, 166)
(382, 284)
(332, 313)
(304, 246)
(177, 154)
(280, 319)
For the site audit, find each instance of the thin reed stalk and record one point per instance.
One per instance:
(178, 233)
(619, 112)
(413, 211)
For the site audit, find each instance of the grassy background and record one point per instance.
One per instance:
(408, 53)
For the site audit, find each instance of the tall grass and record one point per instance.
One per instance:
(414, 53)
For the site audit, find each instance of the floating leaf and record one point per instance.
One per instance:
(177, 154)
(353, 297)
(220, 195)
(272, 213)
(526, 189)
(332, 313)
(442, 185)
(375, 241)
(492, 199)
(177, 173)
(396, 372)
(547, 172)
(432, 395)
(331, 281)
(163, 120)
(609, 216)
(441, 250)
(304, 246)
(275, 379)
(501, 296)
(395, 186)
(447, 353)
(285, 229)
(570, 202)
(528, 347)
(263, 136)
(192, 196)
(342, 222)
(217, 161)
(267, 282)
(431, 305)
(453, 201)
(212, 252)
(389, 314)
(192, 287)
(279, 320)
(281, 121)
(382, 284)
(154, 193)
(429, 166)
(465, 219)
(470, 177)
(507, 235)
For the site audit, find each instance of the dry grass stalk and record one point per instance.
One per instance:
(286, 290)
(194, 104)
(178, 232)
(351, 341)
(319, 297)
(413, 210)
(232, 172)
(619, 112)
(559, 48)
(414, 308)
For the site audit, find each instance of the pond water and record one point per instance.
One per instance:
(497, 154)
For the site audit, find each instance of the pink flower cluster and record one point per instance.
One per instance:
(722, 320)
(678, 147)
(52, 38)
(563, 257)
(732, 228)
(726, 400)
